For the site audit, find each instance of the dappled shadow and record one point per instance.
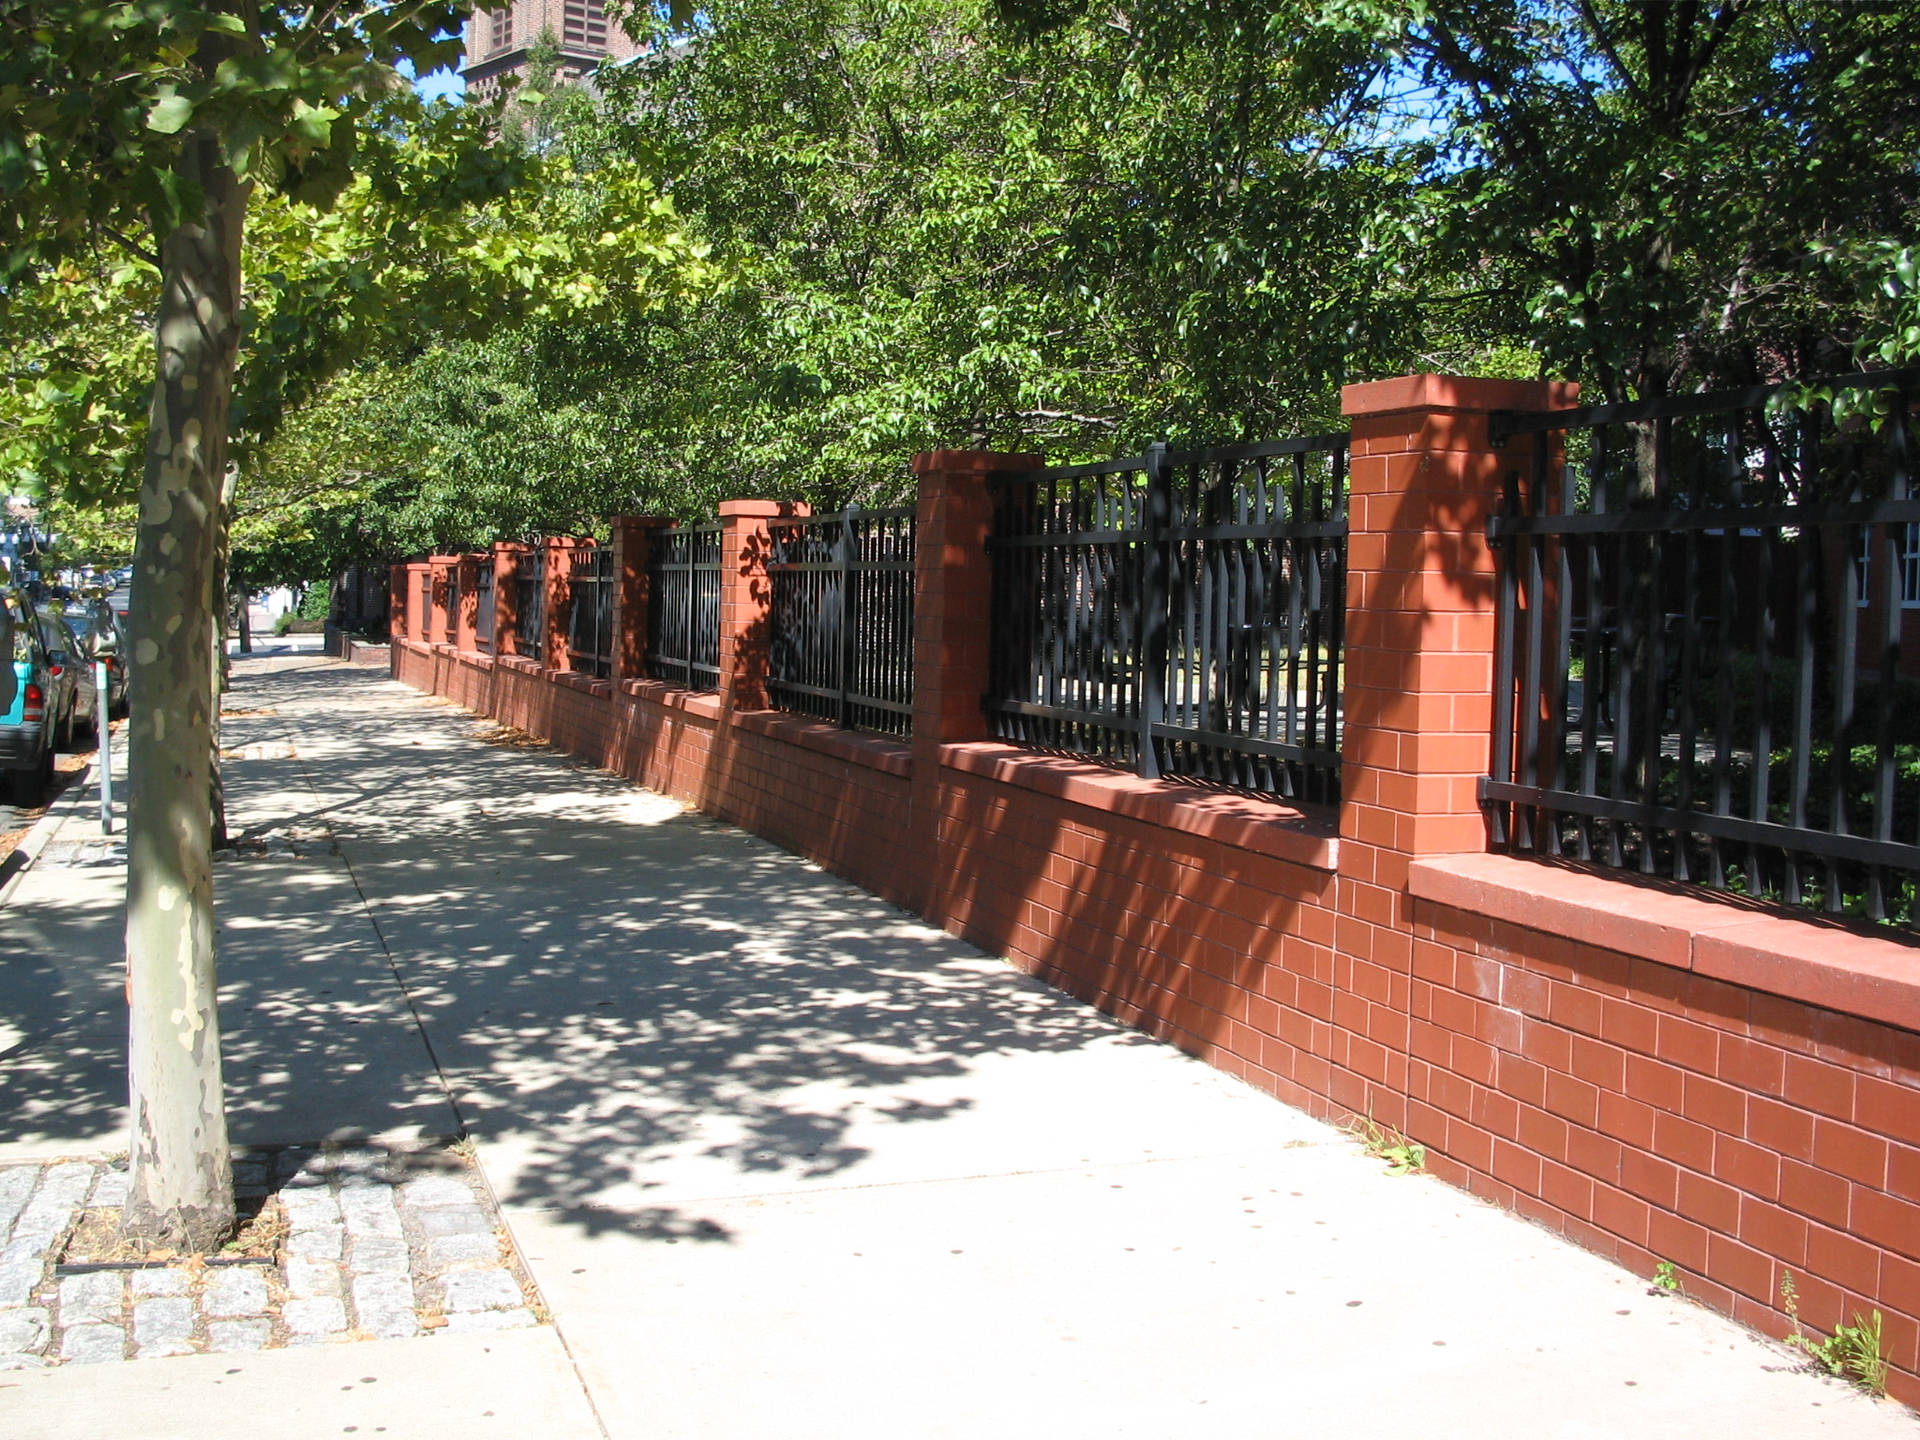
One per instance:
(638, 1007)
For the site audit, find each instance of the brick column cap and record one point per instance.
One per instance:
(764, 509)
(972, 460)
(1429, 391)
(643, 522)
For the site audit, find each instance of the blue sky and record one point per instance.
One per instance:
(439, 84)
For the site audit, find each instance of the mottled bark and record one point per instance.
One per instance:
(181, 1193)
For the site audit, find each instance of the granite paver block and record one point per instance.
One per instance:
(109, 1189)
(16, 1185)
(17, 1182)
(234, 1336)
(482, 1290)
(462, 1249)
(43, 1221)
(371, 1212)
(437, 1190)
(17, 1279)
(235, 1292)
(149, 1283)
(317, 1242)
(378, 1255)
(163, 1326)
(384, 1305)
(310, 1207)
(468, 1322)
(451, 1220)
(307, 1279)
(93, 1344)
(24, 1329)
(22, 1362)
(67, 1184)
(322, 1315)
(93, 1299)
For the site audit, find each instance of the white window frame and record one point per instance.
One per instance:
(1909, 566)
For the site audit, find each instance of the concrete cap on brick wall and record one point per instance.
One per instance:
(764, 509)
(1456, 392)
(932, 460)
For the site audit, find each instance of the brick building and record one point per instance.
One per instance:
(498, 43)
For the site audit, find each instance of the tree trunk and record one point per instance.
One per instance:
(181, 1191)
(222, 668)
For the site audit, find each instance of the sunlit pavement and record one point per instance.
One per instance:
(784, 1161)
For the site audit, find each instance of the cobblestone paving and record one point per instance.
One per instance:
(378, 1244)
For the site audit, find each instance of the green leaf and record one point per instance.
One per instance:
(170, 114)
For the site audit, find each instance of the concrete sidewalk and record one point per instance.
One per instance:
(784, 1161)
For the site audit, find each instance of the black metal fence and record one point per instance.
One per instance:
(1699, 668)
(530, 602)
(841, 641)
(683, 606)
(483, 609)
(1178, 613)
(590, 622)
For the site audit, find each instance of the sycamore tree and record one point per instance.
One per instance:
(166, 130)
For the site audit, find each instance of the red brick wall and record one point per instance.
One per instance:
(1658, 1075)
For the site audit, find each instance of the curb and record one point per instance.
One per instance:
(43, 831)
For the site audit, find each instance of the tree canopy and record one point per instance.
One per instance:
(1073, 228)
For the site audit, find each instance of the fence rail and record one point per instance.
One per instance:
(683, 608)
(1180, 613)
(1699, 629)
(590, 621)
(841, 641)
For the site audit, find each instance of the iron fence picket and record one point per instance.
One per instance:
(683, 606)
(1668, 579)
(484, 609)
(1178, 613)
(840, 643)
(530, 603)
(590, 617)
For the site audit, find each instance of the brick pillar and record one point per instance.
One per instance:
(506, 596)
(746, 596)
(560, 550)
(466, 624)
(953, 592)
(419, 602)
(399, 601)
(632, 540)
(439, 623)
(1418, 693)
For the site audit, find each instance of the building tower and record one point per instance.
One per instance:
(497, 43)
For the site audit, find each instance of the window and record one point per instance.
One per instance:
(502, 33)
(1909, 565)
(586, 24)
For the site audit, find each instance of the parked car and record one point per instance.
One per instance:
(30, 723)
(103, 636)
(71, 669)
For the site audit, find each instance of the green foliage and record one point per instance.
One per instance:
(1383, 1142)
(315, 601)
(1853, 1352)
(1666, 1278)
